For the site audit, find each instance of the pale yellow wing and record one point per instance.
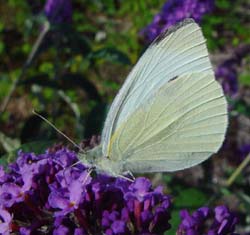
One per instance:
(181, 125)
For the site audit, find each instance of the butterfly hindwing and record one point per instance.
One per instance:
(181, 126)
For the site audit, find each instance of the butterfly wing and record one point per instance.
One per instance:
(182, 124)
(177, 51)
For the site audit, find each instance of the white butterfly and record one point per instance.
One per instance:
(170, 114)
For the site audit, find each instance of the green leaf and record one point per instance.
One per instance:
(5, 83)
(245, 199)
(223, 4)
(73, 80)
(1, 26)
(36, 147)
(46, 67)
(110, 54)
(2, 47)
(190, 198)
(175, 221)
(241, 107)
(167, 178)
(65, 82)
(225, 191)
(7, 158)
(68, 38)
(186, 198)
(245, 79)
(9, 144)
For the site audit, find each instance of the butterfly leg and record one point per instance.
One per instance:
(126, 178)
(129, 173)
(89, 171)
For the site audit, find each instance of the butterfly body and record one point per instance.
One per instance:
(95, 159)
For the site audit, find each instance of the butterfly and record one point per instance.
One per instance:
(170, 113)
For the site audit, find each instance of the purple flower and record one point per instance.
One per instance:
(141, 199)
(204, 221)
(244, 150)
(119, 227)
(46, 194)
(2, 175)
(5, 222)
(10, 194)
(61, 230)
(58, 11)
(227, 71)
(175, 11)
(225, 221)
(79, 231)
(69, 199)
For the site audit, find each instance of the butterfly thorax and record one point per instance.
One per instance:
(95, 158)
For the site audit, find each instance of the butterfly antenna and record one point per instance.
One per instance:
(55, 128)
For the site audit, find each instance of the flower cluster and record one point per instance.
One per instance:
(175, 11)
(58, 11)
(222, 222)
(45, 194)
(227, 72)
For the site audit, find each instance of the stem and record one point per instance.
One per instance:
(26, 65)
(238, 171)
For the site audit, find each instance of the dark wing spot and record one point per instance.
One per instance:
(172, 79)
(172, 29)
